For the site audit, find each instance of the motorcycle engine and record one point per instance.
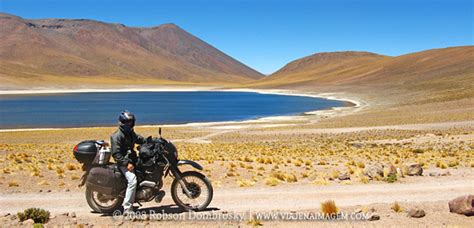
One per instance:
(145, 194)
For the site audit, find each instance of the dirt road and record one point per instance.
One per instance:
(289, 197)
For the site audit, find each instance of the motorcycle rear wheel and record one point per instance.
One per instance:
(102, 203)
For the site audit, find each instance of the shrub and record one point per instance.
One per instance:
(38, 225)
(43, 183)
(70, 166)
(298, 163)
(441, 164)
(36, 214)
(254, 222)
(391, 178)
(396, 207)
(321, 181)
(271, 181)
(290, 178)
(278, 175)
(7, 171)
(245, 183)
(304, 174)
(13, 183)
(329, 207)
(231, 174)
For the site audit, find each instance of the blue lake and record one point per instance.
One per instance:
(102, 109)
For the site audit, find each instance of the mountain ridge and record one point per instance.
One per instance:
(84, 48)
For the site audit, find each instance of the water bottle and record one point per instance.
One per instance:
(104, 155)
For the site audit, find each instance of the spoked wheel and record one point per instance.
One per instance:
(200, 191)
(102, 203)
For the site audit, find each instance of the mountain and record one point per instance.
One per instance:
(446, 72)
(66, 51)
(323, 65)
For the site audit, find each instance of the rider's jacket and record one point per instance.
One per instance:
(122, 145)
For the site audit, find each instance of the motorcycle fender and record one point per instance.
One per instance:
(191, 163)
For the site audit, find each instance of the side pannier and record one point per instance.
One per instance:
(105, 180)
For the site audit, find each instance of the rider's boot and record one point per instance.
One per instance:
(159, 196)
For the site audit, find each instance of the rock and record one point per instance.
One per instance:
(416, 213)
(374, 217)
(358, 211)
(72, 214)
(462, 205)
(434, 174)
(344, 176)
(5, 214)
(446, 173)
(415, 170)
(28, 222)
(49, 190)
(67, 190)
(357, 145)
(74, 221)
(374, 171)
(400, 172)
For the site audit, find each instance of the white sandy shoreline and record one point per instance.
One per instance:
(358, 104)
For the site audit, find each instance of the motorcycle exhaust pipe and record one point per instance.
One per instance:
(148, 184)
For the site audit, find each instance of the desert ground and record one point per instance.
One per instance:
(281, 164)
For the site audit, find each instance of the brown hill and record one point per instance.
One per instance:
(327, 61)
(82, 50)
(429, 86)
(448, 70)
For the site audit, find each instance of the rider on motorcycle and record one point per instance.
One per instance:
(122, 147)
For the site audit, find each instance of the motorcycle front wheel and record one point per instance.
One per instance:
(102, 203)
(200, 191)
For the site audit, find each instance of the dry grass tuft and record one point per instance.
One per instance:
(329, 207)
(254, 222)
(245, 183)
(70, 166)
(397, 207)
(272, 181)
(13, 183)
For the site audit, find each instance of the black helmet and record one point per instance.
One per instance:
(127, 118)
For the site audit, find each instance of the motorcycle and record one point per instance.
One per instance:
(158, 158)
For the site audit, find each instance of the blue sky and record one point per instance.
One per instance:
(268, 34)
